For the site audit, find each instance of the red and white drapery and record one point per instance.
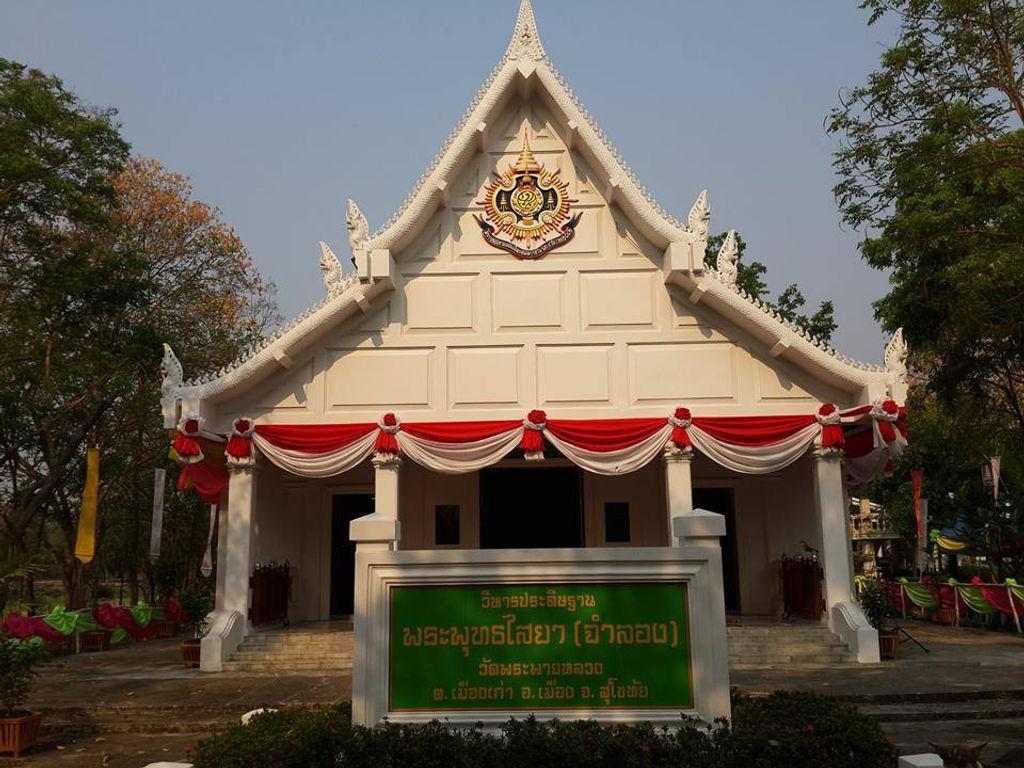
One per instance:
(748, 445)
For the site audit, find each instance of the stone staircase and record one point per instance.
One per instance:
(313, 649)
(760, 645)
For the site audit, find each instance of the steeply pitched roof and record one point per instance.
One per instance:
(525, 59)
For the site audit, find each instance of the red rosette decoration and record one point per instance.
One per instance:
(681, 420)
(388, 426)
(886, 414)
(829, 418)
(239, 450)
(533, 441)
(186, 444)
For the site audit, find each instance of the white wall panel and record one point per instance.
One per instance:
(681, 373)
(389, 377)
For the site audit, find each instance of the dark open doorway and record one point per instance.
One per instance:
(344, 509)
(720, 500)
(531, 508)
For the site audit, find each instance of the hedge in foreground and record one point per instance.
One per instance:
(784, 730)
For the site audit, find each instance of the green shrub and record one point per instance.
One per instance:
(17, 668)
(196, 604)
(794, 729)
(291, 738)
(874, 603)
(785, 730)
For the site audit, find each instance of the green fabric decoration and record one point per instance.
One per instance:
(86, 622)
(1016, 589)
(919, 595)
(65, 622)
(142, 612)
(119, 635)
(974, 598)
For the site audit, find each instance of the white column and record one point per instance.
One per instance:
(385, 478)
(241, 501)
(830, 505)
(377, 532)
(845, 618)
(229, 622)
(222, 554)
(678, 486)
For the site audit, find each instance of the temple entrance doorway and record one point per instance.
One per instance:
(531, 508)
(345, 507)
(720, 500)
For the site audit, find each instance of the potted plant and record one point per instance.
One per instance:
(196, 605)
(19, 727)
(877, 609)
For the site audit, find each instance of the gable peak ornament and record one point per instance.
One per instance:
(357, 225)
(526, 209)
(525, 42)
(896, 357)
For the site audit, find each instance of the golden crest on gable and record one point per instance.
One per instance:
(526, 209)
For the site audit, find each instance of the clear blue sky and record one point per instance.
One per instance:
(278, 111)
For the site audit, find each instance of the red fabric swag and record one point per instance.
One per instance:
(752, 430)
(605, 435)
(458, 431)
(207, 481)
(313, 438)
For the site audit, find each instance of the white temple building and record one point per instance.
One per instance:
(529, 354)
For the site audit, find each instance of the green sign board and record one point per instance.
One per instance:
(540, 646)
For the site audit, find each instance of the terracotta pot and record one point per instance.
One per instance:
(94, 640)
(19, 733)
(190, 653)
(888, 645)
(166, 628)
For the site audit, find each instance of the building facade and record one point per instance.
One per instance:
(531, 353)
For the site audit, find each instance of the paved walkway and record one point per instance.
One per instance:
(970, 686)
(135, 705)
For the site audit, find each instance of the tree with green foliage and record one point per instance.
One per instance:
(103, 258)
(751, 278)
(930, 167)
(66, 341)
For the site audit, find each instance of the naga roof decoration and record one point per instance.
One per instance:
(525, 49)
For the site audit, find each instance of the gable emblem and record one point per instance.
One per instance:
(527, 209)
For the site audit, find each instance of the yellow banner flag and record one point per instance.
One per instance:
(85, 544)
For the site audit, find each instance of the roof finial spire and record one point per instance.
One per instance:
(525, 42)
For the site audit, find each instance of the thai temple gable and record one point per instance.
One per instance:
(437, 323)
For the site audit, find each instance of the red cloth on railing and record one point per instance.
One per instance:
(173, 610)
(110, 616)
(999, 596)
(25, 627)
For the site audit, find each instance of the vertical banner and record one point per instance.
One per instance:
(996, 463)
(157, 524)
(85, 542)
(207, 567)
(916, 476)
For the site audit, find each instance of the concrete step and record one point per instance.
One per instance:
(288, 658)
(918, 712)
(151, 720)
(807, 645)
(292, 667)
(298, 643)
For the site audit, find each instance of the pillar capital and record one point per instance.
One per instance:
(673, 453)
(828, 454)
(386, 461)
